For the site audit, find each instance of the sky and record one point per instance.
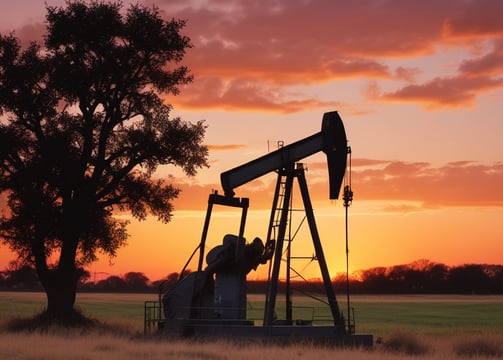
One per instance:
(418, 84)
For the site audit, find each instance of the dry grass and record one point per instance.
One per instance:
(117, 336)
(479, 347)
(58, 343)
(408, 344)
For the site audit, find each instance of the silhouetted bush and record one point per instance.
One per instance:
(405, 344)
(481, 347)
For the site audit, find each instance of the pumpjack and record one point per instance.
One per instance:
(212, 301)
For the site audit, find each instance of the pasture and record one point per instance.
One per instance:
(428, 325)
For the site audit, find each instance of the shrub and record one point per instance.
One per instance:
(479, 347)
(405, 344)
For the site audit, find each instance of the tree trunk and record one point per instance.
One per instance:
(61, 289)
(60, 284)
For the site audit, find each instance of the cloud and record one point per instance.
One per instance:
(486, 65)
(226, 147)
(245, 95)
(31, 32)
(194, 196)
(358, 162)
(316, 29)
(252, 68)
(406, 186)
(441, 92)
(462, 183)
(402, 208)
(473, 77)
(269, 56)
(407, 74)
(475, 18)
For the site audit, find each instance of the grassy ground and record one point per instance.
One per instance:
(430, 315)
(432, 327)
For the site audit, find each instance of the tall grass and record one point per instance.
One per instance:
(59, 344)
(479, 346)
(408, 344)
(426, 335)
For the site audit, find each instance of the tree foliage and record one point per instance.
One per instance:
(434, 278)
(84, 127)
(427, 277)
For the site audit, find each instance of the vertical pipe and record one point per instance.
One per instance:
(347, 274)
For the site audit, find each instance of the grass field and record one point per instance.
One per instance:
(433, 327)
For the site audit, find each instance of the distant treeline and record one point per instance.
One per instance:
(419, 277)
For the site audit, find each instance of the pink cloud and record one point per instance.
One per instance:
(442, 92)
(297, 42)
(358, 162)
(244, 94)
(247, 55)
(474, 19)
(407, 74)
(474, 76)
(320, 27)
(459, 184)
(486, 65)
(225, 147)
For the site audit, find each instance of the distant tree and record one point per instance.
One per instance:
(375, 280)
(397, 277)
(83, 129)
(136, 281)
(469, 279)
(420, 276)
(497, 279)
(21, 277)
(436, 276)
(112, 283)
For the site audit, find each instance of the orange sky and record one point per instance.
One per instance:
(418, 84)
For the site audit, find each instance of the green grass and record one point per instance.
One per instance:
(115, 307)
(436, 315)
(431, 318)
(407, 326)
(378, 315)
(124, 309)
(20, 304)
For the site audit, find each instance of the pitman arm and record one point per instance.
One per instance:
(331, 140)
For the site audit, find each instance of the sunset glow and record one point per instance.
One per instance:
(418, 85)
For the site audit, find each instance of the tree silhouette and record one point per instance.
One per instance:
(83, 130)
(470, 279)
(112, 284)
(22, 277)
(136, 281)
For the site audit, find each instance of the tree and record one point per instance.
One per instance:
(112, 283)
(21, 277)
(375, 279)
(83, 130)
(136, 281)
(469, 279)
